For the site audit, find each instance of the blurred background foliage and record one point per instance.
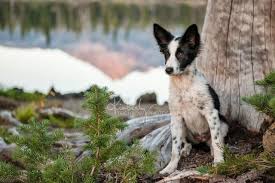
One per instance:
(45, 16)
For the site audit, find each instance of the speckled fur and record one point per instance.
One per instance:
(194, 116)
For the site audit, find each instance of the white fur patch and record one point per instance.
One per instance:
(172, 60)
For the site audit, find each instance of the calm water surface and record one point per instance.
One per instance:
(73, 45)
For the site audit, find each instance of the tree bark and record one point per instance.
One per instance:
(239, 48)
(269, 139)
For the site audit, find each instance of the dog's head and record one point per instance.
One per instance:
(179, 52)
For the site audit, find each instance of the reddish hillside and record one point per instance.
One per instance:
(114, 64)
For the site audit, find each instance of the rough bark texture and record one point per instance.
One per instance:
(269, 139)
(239, 48)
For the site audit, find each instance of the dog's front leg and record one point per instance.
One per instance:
(178, 131)
(217, 138)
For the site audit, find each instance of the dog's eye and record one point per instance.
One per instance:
(165, 52)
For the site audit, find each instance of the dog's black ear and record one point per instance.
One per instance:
(191, 36)
(162, 36)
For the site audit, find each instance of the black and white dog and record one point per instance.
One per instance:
(193, 104)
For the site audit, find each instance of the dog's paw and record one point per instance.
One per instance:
(170, 168)
(186, 150)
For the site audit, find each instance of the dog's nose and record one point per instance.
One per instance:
(169, 70)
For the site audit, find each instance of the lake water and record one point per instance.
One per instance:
(72, 46)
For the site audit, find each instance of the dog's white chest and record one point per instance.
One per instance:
(193, 119)
(184, 103)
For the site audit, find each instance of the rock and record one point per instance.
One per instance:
(53, 93)
(73, 135)
(6, 150)
(123, 118)
(7, 103)
(269, 139)
(77, 151)
(79, 95)
(13, 131)
(60, 113)
(75, 141)
(3, 144)
(6, 117)
(150, 98)
(116, 100)
(83, 155)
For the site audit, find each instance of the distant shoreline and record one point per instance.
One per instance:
(140, 2)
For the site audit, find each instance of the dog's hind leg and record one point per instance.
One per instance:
(179, 144)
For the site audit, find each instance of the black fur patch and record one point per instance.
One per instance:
(163, 38)
(189, 46)
(222, 118)
(216, 101)
(215, 97)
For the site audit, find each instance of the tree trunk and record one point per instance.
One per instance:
(269, 139)
(239, 48)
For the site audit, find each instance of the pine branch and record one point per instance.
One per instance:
(43, 165)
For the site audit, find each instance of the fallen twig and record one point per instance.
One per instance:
(183, 174)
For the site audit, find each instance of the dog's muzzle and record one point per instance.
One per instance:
(169, 70)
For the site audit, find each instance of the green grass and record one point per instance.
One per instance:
(20, 95)
(236, 164)
(61, 123)
(5, 134)
(132, 163)
(26, 113)
(203, 169)
(8, 172)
